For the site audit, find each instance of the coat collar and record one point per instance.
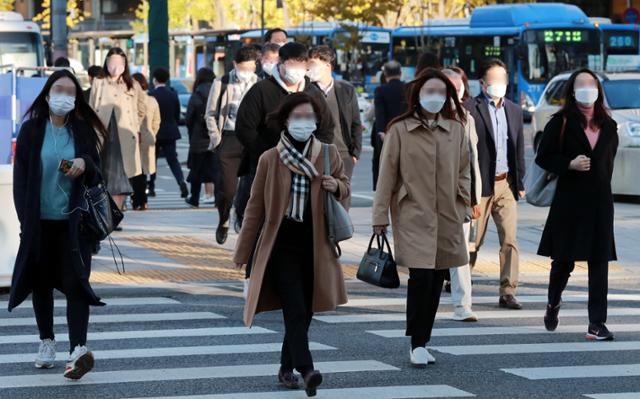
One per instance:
(413, 123)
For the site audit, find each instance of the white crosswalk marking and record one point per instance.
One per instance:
(118, 318)
(599, 371)
(137, 301)
(184, 373)
(392, 392)
(169, 352)
(550, 347)
(489, 314)
(114, 335)
(623, 395)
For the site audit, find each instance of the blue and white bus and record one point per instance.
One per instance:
(536, 41)
(360, 65)
(620, 47)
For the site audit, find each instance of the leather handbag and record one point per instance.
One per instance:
(540, 184)
(339, 225)
(102, 216)
(377, 266)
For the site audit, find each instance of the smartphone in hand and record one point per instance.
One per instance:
(65, 166)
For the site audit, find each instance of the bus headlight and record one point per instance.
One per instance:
(631, 128)
(526, 102)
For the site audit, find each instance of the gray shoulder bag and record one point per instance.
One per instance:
(339, 226)
(540, 184)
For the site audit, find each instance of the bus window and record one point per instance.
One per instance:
(549, 52)
(621, 50)
(20, 49)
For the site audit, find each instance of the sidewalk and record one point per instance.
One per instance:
(179, 246)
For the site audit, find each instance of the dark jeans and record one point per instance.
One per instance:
(244, 192)
(598, 286)
(291, 273)
(423, 298)
(139, 185)
(168, 148)
(55, 270)
(230, 155)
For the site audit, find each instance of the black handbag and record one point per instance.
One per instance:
(378, 267)
(102, 216)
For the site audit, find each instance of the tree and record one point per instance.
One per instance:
(74, 14)
(367, 12)
(6, 5)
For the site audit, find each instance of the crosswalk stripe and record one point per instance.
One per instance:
(136, 301)
(621, 395)
(599, 371)
(391, 392)
(372, 302)
(555, 347)
(184, 373)
(480, 331)
(168, 352)
(118, 318)
(489, 314)
(114, 335)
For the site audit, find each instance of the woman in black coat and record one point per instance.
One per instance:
(56, 154)
(201, 162)
(579, 145)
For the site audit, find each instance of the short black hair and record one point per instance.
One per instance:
(323, 53)
(94, 71)
(270, 48)
(281, 114)
(270, 32)
(490, 63)
(161, 75)
(246, 53)
(62, 62)
(293, 51)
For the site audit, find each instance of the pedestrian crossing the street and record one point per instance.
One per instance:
(170, 199)
(168, 347)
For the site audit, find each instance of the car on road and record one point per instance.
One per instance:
(183, 87)
(622, 98)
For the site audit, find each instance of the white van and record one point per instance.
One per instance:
(20, 41)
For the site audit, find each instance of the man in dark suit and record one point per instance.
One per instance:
(389, 101)
(168, 133)
(501, 158)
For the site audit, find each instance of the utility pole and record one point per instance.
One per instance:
(262, 19)
(158, 34)
(58, 15)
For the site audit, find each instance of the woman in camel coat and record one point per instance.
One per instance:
(294, 267)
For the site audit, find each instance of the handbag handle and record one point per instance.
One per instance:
(382, 240)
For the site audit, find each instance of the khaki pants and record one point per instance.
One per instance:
(502, 206)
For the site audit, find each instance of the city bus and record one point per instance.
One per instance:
(21, 43)
(358, 61)
(620, 47)
(536, 41)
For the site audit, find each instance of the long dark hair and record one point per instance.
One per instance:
(126, 75)
(465, 81)
(204, 75)
(39, 110)
(449, 111)
(570, 107)
(280, 115)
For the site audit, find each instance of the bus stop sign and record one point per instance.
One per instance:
(631, 15)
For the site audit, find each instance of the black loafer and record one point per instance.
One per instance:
(288, 380)
(184, 191)
(551, 317)
(509, 302)
(311, 381)
(221, 234)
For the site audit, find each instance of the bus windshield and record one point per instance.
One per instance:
(20, 49)
(549, 52)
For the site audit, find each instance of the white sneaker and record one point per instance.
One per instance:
(463, 314)
(80, 363)
(207, 200)
(420, 357)
(46, 354)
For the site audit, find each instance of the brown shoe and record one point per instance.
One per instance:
(288, 379)
(311, 381)
(509, 302)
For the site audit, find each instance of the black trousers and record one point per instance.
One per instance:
(55, 270)
(423, 298)
(244, 192)
(230, 155)
(598, 286)
(291, 273)
(139, 185)
(375, 161)
(168, 148)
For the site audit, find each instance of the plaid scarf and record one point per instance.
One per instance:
(304, 172)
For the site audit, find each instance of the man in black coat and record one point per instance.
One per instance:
(389, 101)
(501, 157)
(168, 133)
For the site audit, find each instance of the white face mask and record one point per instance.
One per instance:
(244, 76)
(461, 92)
(497, 90)
(586, 95)
(61, 104)
(301, 129)
(267, 67)
(432, 102)
(293, 76)
(315, 73)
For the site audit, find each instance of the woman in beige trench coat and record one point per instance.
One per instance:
(294, 267)
(120, 103)
(424, 180)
